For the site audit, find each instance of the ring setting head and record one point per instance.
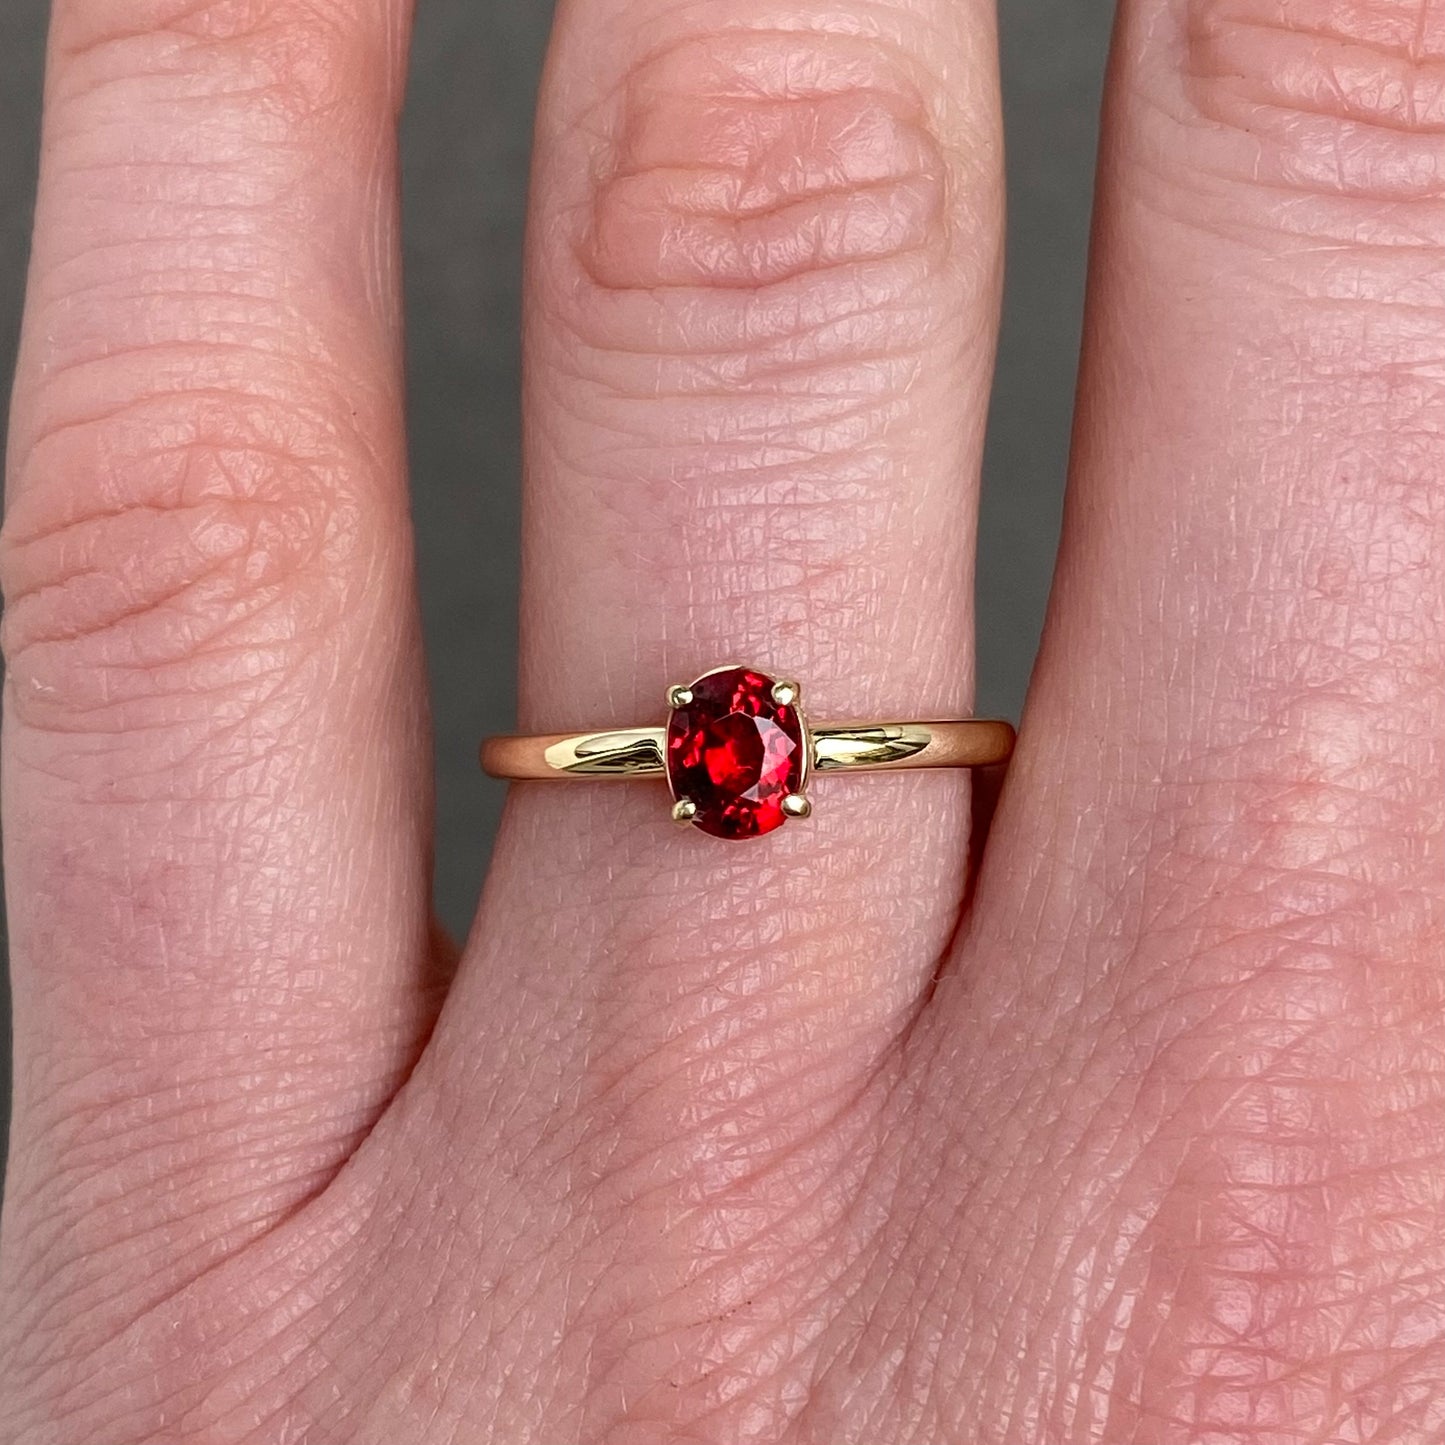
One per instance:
(737, 753)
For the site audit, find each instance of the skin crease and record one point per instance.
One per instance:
(1145, 1145)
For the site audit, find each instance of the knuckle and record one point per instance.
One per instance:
(180, 555)
(740, 160)
(750, 178)
(1343, 100)
(299, 59)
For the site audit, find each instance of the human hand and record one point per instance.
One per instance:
(1139, 1142)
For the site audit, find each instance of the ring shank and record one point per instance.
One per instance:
(624, 754)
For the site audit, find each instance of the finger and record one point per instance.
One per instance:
(761, 325)
(215, 779)
(763, 280)
(1224, 829)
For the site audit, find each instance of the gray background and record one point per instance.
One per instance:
(466, 138)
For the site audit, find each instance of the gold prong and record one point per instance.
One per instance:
(785, 694)
(684, 810)
(679, 697)
(795, 805)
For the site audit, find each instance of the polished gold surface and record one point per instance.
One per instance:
(620, 753)
(627, 753)
(855, 747)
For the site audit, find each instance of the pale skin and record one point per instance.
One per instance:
(1140, 1141)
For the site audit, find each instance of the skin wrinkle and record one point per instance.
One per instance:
(302, 63)
(1338, 114)
(312, 1281)
(122, 1310)
(259, 529)
(260, 1208)
(730, 395)
(759, 327)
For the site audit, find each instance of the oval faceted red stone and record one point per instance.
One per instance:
(735, 753)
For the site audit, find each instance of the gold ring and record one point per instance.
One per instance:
(738, 752)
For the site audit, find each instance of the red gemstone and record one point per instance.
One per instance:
(736, 753)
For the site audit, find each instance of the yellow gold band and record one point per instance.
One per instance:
(629, 753)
